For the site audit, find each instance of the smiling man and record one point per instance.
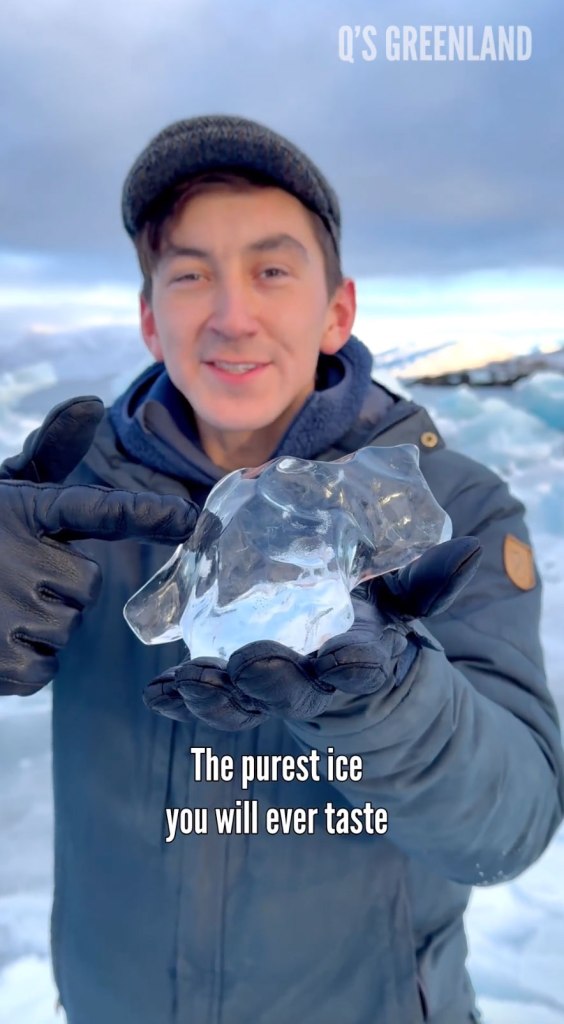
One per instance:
(239, 312)
(437, 690)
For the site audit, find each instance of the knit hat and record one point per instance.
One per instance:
(215, 142)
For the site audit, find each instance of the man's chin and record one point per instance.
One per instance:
(243, 427)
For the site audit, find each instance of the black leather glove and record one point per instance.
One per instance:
(44, 583)
(375, 654)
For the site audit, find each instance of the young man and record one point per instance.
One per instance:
(438, 685)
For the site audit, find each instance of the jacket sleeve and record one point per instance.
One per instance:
(465, 754)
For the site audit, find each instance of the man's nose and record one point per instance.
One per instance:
(234, 311)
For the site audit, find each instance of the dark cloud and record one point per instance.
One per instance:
(440, 166)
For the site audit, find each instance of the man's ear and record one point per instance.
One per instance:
(149, 329)
(340, 317)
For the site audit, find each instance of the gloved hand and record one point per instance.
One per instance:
(45, 584)
(266, 678)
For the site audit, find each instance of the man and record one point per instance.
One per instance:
(438, 685)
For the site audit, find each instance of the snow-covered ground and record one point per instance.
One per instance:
(516, 929)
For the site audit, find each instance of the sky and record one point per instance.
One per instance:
(444, 169)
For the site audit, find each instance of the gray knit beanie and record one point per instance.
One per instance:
(215, 142)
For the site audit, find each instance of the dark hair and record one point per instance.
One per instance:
(148, 242)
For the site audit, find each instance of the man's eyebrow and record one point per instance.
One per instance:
(172, 250)
(279, 241)
(268, 244)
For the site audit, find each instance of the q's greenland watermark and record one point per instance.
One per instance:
(435, 43)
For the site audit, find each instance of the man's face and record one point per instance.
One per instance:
(240, 311)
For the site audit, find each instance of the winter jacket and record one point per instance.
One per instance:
(321, 929)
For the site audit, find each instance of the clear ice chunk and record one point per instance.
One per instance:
(278, 548)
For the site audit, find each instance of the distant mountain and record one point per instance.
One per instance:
(502, 372)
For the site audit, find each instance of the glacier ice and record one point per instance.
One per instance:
(278, 548)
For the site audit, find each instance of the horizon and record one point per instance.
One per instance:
(442, 323)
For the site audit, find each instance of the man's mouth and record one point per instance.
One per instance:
(235, 368)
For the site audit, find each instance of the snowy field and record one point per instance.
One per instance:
(516, 929)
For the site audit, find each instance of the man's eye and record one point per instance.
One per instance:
(190, 276)
(271, 272)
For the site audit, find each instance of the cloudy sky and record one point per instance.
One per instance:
(442, 167)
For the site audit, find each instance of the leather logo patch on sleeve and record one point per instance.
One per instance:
(518, 562)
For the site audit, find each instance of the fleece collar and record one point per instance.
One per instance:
(155, 424)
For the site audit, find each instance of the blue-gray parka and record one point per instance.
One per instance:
(322, 929)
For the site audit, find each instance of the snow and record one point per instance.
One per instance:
(516, 929)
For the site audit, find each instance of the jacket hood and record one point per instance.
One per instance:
(148, 437)
(155, 424)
